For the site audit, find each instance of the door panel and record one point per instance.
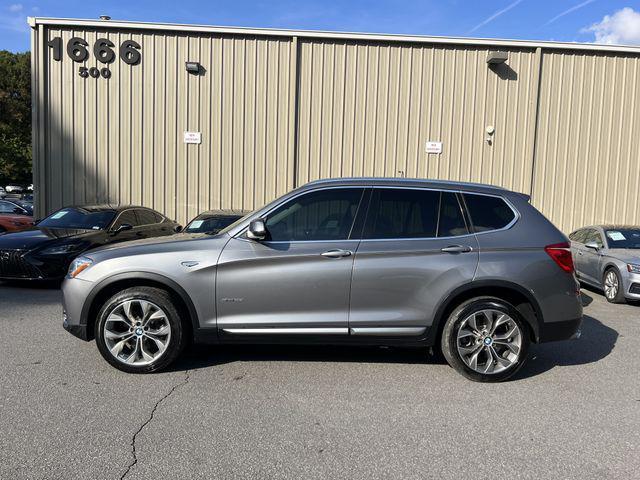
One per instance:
(590, 259)
(299, 277)
(271, 285)
(400, 283)
(416, 249)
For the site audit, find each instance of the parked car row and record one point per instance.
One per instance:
(475, 271)
(15, 189)
(44, 251)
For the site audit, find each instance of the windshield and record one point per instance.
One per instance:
(210, 224)
(78, 218)
(28, 206)
(623, 238)
(237, 222)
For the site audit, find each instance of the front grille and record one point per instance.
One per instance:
(13, 265)
(635, 288)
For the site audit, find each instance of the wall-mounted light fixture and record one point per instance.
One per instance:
(495, 57)
(192, 67)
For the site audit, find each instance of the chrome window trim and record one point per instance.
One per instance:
(464, 207)
(516, 213)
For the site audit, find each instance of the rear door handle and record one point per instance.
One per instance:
(336, 253)
(456, 249)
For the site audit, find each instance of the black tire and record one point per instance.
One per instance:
(454, 322)
(162, 299)
(619, 296)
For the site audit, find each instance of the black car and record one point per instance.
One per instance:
(213, 221)
(46, 250)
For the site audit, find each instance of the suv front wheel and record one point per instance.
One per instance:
(485, 339)
(139, 330)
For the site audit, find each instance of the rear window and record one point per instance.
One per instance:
(488, 213)
(79, 218)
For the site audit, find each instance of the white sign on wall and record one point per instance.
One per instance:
(434, 147)
(193, 137)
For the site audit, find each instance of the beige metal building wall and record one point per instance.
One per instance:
(121, 140)
(368, 110)
(587, 166)
(279, 108)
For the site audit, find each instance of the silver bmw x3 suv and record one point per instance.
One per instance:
(473, 270)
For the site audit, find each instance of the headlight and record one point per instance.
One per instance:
(80, 264)
(62, 249)
(632, 268)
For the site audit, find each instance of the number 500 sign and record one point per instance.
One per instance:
(103, 51)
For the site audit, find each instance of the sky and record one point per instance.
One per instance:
(600, 21)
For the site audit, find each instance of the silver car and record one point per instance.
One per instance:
(608, 257)
(471, 269)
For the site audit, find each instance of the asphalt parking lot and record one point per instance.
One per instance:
(299, 412)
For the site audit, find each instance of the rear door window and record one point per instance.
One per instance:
(488, 213)
(145, 217)
(403, 213)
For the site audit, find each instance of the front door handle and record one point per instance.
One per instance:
(336, 253)
(456, 249)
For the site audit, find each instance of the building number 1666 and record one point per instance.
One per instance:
(103, 50)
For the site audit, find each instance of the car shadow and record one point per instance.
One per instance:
(595, 343)
(203, 356)
(585, 299)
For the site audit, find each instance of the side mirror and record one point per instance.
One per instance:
(122, 228)
(592, 246)
(178, 229)
(18, 211)
(257, 230)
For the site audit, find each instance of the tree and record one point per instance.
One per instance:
(15, 118)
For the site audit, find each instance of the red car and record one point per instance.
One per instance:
(14, 217)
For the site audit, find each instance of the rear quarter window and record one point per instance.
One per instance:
(488, 213)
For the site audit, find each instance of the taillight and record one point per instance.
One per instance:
(561, 254)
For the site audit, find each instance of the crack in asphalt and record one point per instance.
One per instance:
(134, 454)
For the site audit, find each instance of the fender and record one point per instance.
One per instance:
(170, 284)
(438, 321)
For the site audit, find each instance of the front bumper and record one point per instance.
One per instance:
(22, 265)
(75, 293)
(631, 285)
(79, 331)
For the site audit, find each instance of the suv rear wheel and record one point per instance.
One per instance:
(485, 339)
(139, 330)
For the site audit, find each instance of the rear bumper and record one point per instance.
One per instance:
(564, 330)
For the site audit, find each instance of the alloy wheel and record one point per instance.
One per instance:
(611, 285)
(137, 332)
(489, 341)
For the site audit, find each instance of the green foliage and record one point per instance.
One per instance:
(15, 118)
